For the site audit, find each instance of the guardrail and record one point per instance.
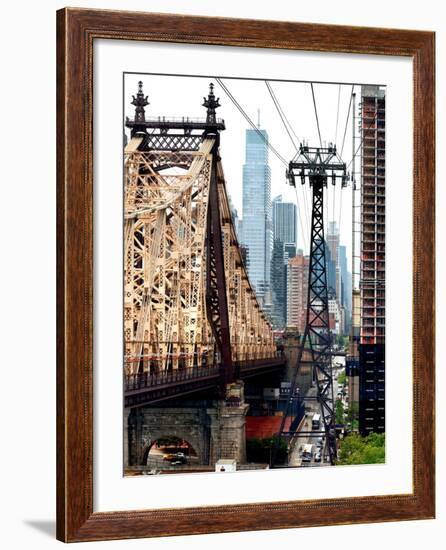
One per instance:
(133, 382)
(150, 380)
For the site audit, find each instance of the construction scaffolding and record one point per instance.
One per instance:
(372, 273)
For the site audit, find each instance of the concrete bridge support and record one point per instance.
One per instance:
(227, 423)
(146, 425)
(214, 432)
(291, 350)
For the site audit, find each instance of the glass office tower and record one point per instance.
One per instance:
(257, 222)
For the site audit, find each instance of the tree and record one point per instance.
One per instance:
(339, 411)
(356, 449)
(352, 414)
(261, 449)
(341, 340)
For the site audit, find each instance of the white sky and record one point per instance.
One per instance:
(183, 96)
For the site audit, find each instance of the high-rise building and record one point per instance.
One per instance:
(297, 291)
(284, 217)
(337, 313)
(333, 241)
(284, 246)
(346, 286)
(331, 270)
(372, 276)
(278, 285)
(257, 222)
(352, 359)
(333, 247)
(290, 251)
(235, 219)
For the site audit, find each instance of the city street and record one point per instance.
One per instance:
(311, 407)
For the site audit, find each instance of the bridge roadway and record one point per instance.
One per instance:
(147, 389)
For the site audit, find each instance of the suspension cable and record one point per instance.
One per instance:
(280, 108)
(337, 115)
(348, 116)
(362, 139)
(281, 114)
(289, 129)
(300, 220)
(340, 213)
(315, 112)
(251, 123)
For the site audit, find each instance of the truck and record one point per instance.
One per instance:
(307, 452)
(316, 421)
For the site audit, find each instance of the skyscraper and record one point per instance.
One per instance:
(284, 221)
(372, 277)
(285, 240)
(333, 240)
(257, 223)
(235, 219)
(331, 270)
(346, 298)
(278, 285)
(297, 291)
(333, 246)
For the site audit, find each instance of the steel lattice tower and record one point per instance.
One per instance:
(316, 165)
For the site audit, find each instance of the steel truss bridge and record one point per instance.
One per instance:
(192, 321)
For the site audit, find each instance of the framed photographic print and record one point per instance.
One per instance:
(245, 275)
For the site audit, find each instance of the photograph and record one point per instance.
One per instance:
(245, 307)
(254, 273)
(232, 229)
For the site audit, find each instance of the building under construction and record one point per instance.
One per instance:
(372, 270)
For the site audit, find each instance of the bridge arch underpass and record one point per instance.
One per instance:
(168, 448)
(149, 425)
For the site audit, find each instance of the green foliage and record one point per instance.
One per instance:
(356, 449)
(342, 378)
(262, 449)
(339, 411)
(352, 413)
(341, 340)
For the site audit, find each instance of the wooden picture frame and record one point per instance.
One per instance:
(76, 31)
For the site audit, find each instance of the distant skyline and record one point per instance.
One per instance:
(174, 96)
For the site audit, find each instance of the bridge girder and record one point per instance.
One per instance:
(166, 203)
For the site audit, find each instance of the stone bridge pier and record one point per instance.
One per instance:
(214, 432)
(291, 350)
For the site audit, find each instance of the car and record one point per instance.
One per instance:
(175, 457)
(169, 456)
(317, 456)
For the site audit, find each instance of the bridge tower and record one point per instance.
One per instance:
(188, 303)
(176, 137)
(216, 293)
(316, 165)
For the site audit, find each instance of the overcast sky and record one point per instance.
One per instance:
(183, 96)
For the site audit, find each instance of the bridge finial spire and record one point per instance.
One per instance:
(140, 101)
(211, 104)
